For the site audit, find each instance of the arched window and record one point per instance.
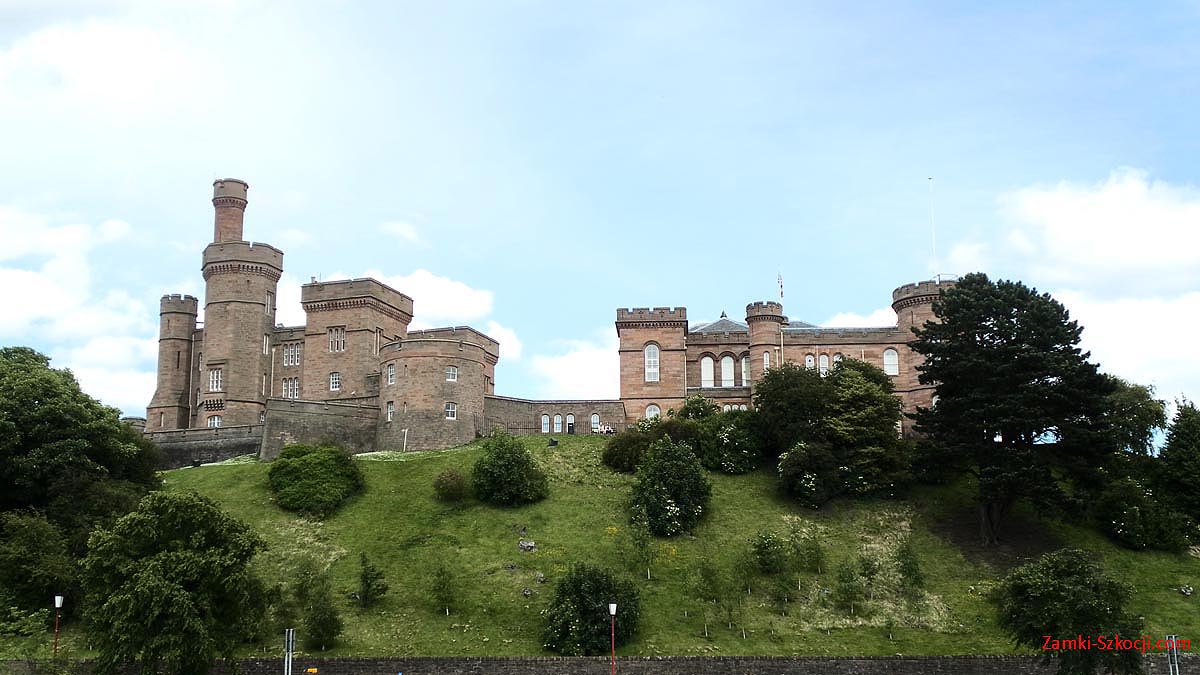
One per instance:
(742, 407)
(570, 423)
(725, 408)
(595, 421)
(766, 360)
(706, 371)
(214, 421)
(837, 358)
(651, 357)
(824, 364)
(726, 371)
(652, 411)
(745, 371)
(558, 424)
(545, 424)
(809, 361)
(891, 361)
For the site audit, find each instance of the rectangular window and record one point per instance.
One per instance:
(451, 411)
(291, 354)
(335, 382)
(214, 379)
(270, 302)
(291, 387)
(391, 373)
(337, 339)
(264, 384)
(266, 344)
(452, 373)
(378, 339)
(391, 410)
(214, 421)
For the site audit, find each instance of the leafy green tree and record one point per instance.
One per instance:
(507, 473)
(713, 586)
(696, 407)
(1020, 407)
(1133, 415)
(1180, 459)
(170, 585)
(35, 562)
(729, 442)
(624, 451)
(314, 480)
(769, 552)
(577, 620)
(371, 585)
(320, 618)
(444, 588)
(792, 404)
(671, 492)
(1064, 594)
(912, 578)
(807, 552)
(864, 410)
(848, 592)
(810, 473)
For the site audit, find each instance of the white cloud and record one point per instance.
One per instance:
(437, 300)
(1123, 227)
(585, 369)
(510, 345)
(880, 317)
(403, 230)
(287, 302)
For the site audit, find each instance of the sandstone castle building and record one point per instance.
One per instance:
(355, 375)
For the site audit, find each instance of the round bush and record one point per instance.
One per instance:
(314, 480)
(450, 486)
(578, 622)
(624, 451)
(809, 473)
(1131, 515)
(728, 444)
(769, 553)
(671, 491)
(507, 474)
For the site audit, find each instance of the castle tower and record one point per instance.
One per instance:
(239, 314)
(766, 322)
(170, 407)
(913, 303)
(653, 359)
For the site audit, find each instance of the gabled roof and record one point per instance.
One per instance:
(722, 325)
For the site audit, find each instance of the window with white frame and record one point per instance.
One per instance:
(335, 381)
(891, 361)
(214, 421)
(933, 403)
(266, 344)
(706, 371)
(452, 373)
(291, 354)
(270, 302)
(766, 360)
(391, 373)
(837, 358)
(809, 361)
(726, 371)
(558, 424)
(291, 387)
(823, 364)
(570, 422)
(652, 411)
(651, 361)
(391, 410)
(595, 421)
(214, 379)
(451, 410)
(745, 371)
(337, 339)
(545, 424)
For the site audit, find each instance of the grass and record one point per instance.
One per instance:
(408, 534)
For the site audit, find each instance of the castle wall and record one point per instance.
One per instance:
(423, 388)
(520, 416)
(183, 447)
(349, 425)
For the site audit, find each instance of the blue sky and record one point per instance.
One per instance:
(527, 167)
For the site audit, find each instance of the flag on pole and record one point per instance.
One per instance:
(781, 288)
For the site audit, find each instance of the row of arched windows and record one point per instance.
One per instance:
(891, 361)
(707, 374)
(558, 427)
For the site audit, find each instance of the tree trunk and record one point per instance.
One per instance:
(990, 516)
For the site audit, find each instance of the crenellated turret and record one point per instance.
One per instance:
(913, 303)
(766, 322)
(169, 408)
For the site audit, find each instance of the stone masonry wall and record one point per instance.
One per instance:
(349, 425)
(667, 328)
(183, 447)
(664, 665)
(522, 416)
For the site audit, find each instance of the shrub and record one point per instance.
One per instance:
(321, 619)
(685, 431)
(769, 553)
(1132, 515)
(371, 586)
(507, 474)
(671, 491)
(848, 592)
(450, 486)
(577, 620)
(443, 588)
(809, 554)
(624, 451)
(912, 579)
(809, 473)
(696, 407)
(314, 480)
(729, 443)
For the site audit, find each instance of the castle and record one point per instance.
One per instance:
(354, 374)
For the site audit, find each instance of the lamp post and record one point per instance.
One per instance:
(612, 615)
(58, 600)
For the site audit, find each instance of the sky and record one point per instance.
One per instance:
(527, 167)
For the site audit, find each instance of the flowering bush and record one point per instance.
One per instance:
(577, 620)
(671, 492)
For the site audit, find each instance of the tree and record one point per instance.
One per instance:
(671, 492)
(577, 620)
(792, 404)
(1020, 407)
(443, 588)
(170, 585)
(1063, 595)
(371, 586)
(1180, 460)
(314, 480)
(35, 562)
(322, 623)
(507, 474)
(1133, 415)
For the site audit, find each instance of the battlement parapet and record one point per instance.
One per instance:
(179, 304)
(654, 315)
(757, 312)
(250, 257)
(324, 295)
(919, 292)
(441, 343)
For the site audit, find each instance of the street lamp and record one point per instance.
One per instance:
(612, 615)
(58, 600)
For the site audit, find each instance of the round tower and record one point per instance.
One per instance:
(239, 315)
(170, 408)
(436, 396)
(766, 322)
(913, 303)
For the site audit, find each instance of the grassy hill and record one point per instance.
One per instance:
(406, 532)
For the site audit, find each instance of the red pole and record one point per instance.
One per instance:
(56, 631)
(614, 643)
